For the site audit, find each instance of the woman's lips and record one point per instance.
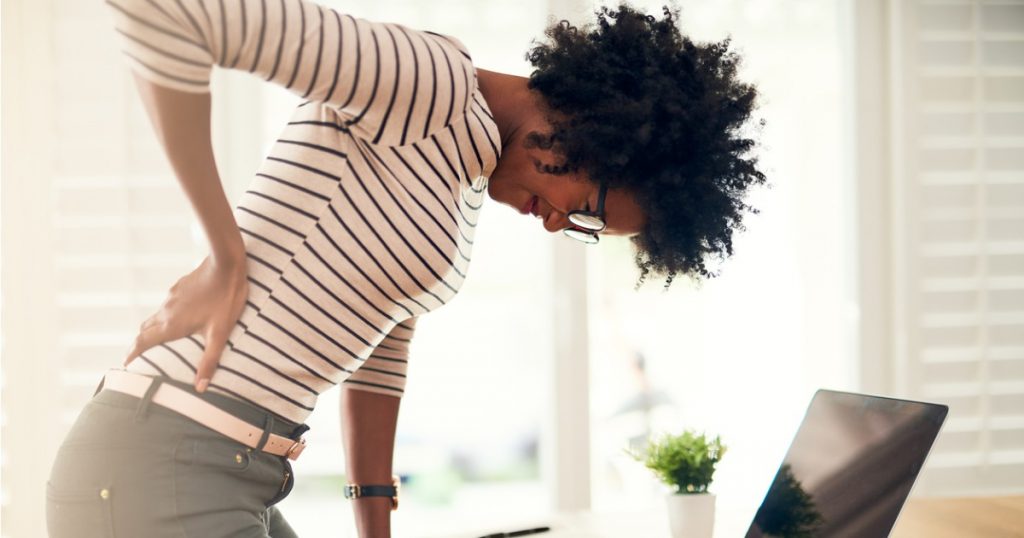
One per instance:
(530, 207)
(526, 208)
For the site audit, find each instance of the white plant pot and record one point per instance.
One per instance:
(691, 515)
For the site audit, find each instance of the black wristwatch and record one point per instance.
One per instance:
(355, 491)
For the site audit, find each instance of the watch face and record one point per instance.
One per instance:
(396, 482)
(351, 491)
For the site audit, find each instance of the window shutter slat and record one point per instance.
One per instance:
(960, 93)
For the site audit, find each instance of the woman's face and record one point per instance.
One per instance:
(518, 182)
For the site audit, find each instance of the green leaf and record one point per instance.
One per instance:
(685, 461)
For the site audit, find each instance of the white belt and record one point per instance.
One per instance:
(203, 412)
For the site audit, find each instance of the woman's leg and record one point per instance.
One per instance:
(114, 477)
(277, 525)
(131, 469)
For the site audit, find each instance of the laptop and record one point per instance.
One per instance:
(849, 468)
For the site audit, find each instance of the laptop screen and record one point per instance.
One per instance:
(849, 468)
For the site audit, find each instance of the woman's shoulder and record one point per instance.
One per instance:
(454, 41)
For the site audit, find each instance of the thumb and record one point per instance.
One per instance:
(216, 340)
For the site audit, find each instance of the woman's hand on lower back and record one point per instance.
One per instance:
(209, 300)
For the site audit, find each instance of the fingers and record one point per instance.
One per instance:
(216, 340)
(150, 334)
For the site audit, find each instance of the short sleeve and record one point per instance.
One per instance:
(385, 370)
(390, 83)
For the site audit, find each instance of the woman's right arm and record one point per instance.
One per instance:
(182, 124)
(211, 298)
(374, 74)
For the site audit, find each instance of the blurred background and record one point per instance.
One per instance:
(888, 258)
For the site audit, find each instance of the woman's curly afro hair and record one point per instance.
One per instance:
(633, 102)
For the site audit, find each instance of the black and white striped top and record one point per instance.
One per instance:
(361, 218)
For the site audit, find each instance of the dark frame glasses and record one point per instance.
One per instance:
(588, 223)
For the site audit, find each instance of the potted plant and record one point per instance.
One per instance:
(686, 462)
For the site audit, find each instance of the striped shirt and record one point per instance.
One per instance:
(362, 216)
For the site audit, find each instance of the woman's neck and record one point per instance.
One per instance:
(510, 101)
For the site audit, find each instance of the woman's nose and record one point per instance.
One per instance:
(556, 222)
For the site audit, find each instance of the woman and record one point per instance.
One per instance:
(361, 219)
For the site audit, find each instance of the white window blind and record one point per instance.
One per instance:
(120, 221)
(96, 231)
(957, 121)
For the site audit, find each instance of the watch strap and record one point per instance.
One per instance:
(355, 491)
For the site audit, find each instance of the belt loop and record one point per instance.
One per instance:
(299, 430)
(268, 424)
(147, 398)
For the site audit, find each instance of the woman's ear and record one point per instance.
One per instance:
(539, 140)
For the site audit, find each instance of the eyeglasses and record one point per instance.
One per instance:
(588, 223)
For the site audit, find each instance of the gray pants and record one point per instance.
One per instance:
(131, 468)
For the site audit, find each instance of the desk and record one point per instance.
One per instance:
(981, 517)
(995, 517)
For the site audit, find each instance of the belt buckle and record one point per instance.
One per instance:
(296, 449)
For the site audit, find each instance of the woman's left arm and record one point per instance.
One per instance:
(368, 422)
